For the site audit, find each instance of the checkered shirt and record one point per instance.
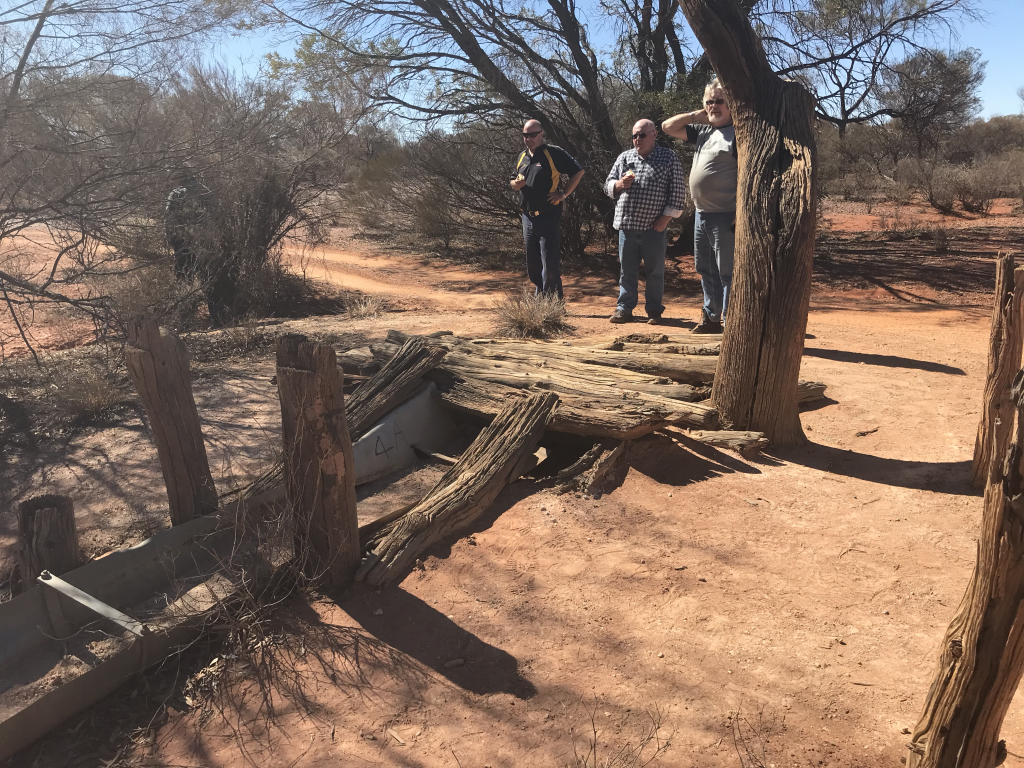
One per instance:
(659, 188)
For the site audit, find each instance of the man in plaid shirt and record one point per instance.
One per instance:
(649, 187)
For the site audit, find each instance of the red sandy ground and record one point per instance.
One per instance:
(810, 585)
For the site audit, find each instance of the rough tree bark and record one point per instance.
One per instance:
(755, 388)
(158, 363)
(47, 537)
(982, 654)
(319, 468)
(1004, 353)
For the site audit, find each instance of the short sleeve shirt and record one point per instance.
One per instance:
(714, 170)
(543, 171)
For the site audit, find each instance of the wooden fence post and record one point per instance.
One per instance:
(47, 537)
(981, 659)
(158, 364)
(319, 466)
(1004, 358)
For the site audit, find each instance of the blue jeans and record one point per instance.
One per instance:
(543, 255)
(714, 243)
(648, 246)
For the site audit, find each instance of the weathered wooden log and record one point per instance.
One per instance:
(664, 338)
(515, 372)
(47, 537)
(319, 467)
(743, 442)
(809, 391)
(391, 385)
(158, 363)
(598, 380)
(674, 348)
(982, 654)
(597, 470)
(585, 409)
(1004, 357)
(464, 491)
(563, 357)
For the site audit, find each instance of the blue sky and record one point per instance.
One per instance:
(999, 36)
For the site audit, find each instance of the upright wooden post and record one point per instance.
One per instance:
(318, 463)
(981, 659)
(158, 364)
(47, 537)
(1004, 358)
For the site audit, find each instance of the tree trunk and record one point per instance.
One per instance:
(319, 469)
(158, 363)
(465, 490)
(1004, 355)
(982, 654)
(47, 537)
(759, 365)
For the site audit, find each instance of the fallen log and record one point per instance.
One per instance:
(595, 379)
(708, 349)
(664, 338)
(586, 409)
(464, 491)
(391, 385)
(623, 418)
(809, 391)
(743, 442)
(685, 369)
(596, 471)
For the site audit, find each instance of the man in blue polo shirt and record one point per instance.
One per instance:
(539, 171)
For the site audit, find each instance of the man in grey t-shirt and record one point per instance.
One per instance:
(713, 187)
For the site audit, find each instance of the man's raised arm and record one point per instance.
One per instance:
(676, 125)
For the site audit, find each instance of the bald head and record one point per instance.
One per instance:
(645, 134)
(532, 142)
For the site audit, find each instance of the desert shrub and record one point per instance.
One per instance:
(87, 386)
(938, 181)
(976, 188)
(523, 315)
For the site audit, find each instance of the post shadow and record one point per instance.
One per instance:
(422, 632)
(889, 361)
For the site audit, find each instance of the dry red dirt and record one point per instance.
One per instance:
(806, 590)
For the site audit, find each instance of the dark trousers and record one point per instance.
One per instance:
(543, 257)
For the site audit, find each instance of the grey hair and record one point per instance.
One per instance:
(714, 85)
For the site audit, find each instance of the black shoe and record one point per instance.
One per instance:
(655, 320)
(707, 325)
(622, 316)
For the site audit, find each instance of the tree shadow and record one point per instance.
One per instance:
(952, 477)
(889, 361)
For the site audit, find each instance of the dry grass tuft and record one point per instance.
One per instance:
(366, 307)
(521, 315)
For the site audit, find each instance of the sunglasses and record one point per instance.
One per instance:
(639, 136)
(711, 102)
(531, 134)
